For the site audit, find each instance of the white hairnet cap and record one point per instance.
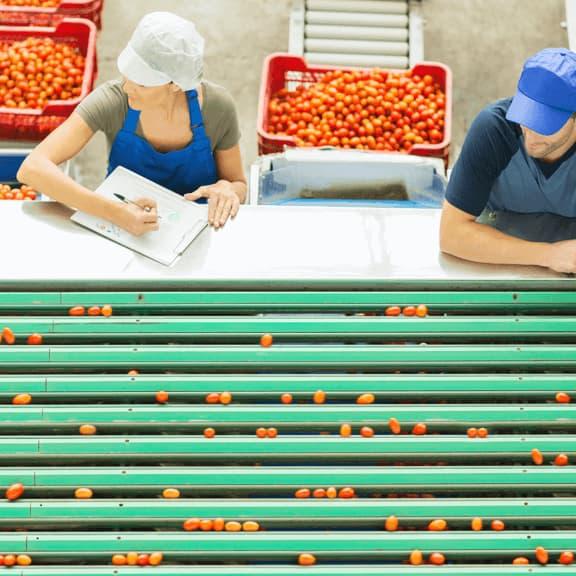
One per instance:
(164, 48)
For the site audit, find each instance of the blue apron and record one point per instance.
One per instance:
(526, 204)
(181, 171)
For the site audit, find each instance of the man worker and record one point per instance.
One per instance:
(511, 198)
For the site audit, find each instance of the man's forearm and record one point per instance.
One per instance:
(482, 243)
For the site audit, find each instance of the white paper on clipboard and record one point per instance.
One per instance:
(181, 221)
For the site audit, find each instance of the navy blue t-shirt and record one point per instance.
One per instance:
(488, 148)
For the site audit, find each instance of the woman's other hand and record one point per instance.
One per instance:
(223, 202)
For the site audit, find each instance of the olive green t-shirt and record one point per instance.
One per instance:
(106, 107)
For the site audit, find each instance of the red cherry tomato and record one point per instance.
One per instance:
(35, 339)
(14, 492)
(77, 311)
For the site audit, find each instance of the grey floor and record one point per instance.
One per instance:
(483, 41)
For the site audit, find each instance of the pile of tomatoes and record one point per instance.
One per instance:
(36, 70)
(22, 193)
(366, 110)
(33, 3)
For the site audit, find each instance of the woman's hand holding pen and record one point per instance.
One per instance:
(223, 202)
(137, 217)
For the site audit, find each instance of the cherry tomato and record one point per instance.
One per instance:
(162, 397)
(77, 311)
(209, 432)
(261, 432)
(346, 492)
(21, 399)
(218, 524)
(132, 558)
(133, 373)
(477, 524)
(393, 311)
(437, 558)
(83, 493)
(562, 398)
(521, 561)
(409, 311)
(286, 398)
(266, 340)
(345, 430)
(250, 526)
(437, 525)
(394, 426)
(319, 397)
(171, 493)
(35, 339)
(331, 493)
(9, 560)
(472, 432)
(566, 558)
(416, 558)
(391, 524)
(537, 456)
(319, 493)
(542, 555)
(8, 336)
(233, 526)
(118, 560)
(143, 559)
(482, 433)
(206, 525)
(155, 559)
(191, 524)
(561, 460)
(306, 559)
(498, 525)
(94, 311)
(14, 492)
(87, 429)
(421, 310)
(365, 399)
(107, 310)
(366, 432)
(225, 398)
(213, 398)
(272, 432)
(419, 429)
(302, 493)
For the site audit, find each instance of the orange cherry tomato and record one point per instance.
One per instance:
(261, 432)
(218, 524)
(191, 524)
(272, 432)
(346, 492)
(170, 493)
(562, 398)
(437, 559)
(365, 399)
(133, 373)
(132, 558)
(107, 310)
(438, 525)
(8, 336)
(233, 526)
(319, 493)
(391, 524)
(498, 525)
(209, 432)
(21, 399)
(87, 430)
(331, 493)
(83, 493)
(118, 560)
(542, 555)
(521, 561)
(250, 526)
(213, 398)
(345, 430)
(477, 524)
(472, 432)
(14, 492)
(302, 493)
(23, 560)
(537, 456)
(416, 558)
(9, 560)
(306, 559)
(409, 311)
(206, 525)
(561, 460)
(225, 398)
(35, 339)
(319, 397)
(394, 426)
(566, 558)
(393, 311)
(77, 311)
(266, 340)
(94, 311)
(419, 429)
(422, 310)
(366, 432)
(155, 558)
(162, 397)
(286, 398)
(482, 433)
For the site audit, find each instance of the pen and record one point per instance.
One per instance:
(128, 201)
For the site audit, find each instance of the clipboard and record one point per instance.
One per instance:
(181, 221)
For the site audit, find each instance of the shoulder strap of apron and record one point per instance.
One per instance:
(131, 120)
(196, 121)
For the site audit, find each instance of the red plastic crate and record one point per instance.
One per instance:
(30, 16)
(289, 71)
(31, 124)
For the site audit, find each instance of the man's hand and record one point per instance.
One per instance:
(562, 256)
(223, 202)
(137, 219)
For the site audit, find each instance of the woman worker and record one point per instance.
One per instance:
(161, 121)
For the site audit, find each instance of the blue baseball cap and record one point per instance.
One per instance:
(546, 94)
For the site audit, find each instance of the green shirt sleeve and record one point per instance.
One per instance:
(220, 118)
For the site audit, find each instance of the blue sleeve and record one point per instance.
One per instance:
(489, 145)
